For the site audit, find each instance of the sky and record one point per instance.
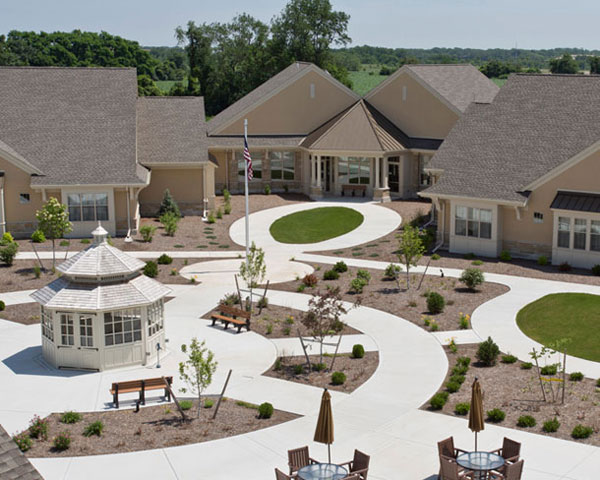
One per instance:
(531, 24)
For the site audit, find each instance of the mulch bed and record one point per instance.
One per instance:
(153, 427)
(357, 370)
(192, 233)
(24, 313)
(277, 322)
(411, 305)
(517, 392)
(169, 274)
(21, 276)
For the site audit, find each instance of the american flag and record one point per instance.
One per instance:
(248, 159)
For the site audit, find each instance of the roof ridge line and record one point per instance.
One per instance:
(371, 121)
(342, 116)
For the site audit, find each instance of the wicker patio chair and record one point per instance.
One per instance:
(510, 450)
(299, 458)
(446, 448)
(359, 465)
(450, 470)
(512, 471)
(279, 475)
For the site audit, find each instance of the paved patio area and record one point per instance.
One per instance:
(381, 417)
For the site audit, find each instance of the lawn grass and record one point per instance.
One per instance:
(365, 80)
(165, 85)
(565, 315)
(499, 81)
(315, 225)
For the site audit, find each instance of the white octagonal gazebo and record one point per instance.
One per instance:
(102, 312)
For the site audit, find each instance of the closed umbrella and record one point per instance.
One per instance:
(476, 411)
(324, 431)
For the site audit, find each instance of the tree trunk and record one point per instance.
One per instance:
(408, 276)
(199, 402)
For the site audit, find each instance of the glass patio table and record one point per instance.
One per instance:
(322, 471)
(480, 462)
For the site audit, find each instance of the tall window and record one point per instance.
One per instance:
(473, 222)
(67, 330)
(579, 233)
(424, 178)
(155, 317)
(257, 157)
(87, 207)
(124, 326)
(86, 331)
(282, 165)
(564, 232)
(595, 236)
(356, 170)
(47, 325)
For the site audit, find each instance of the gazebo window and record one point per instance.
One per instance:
(86, 331)
(155, 317)
(47, 325)
(67, 330)
(123, 326)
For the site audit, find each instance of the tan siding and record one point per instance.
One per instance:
(293, 111)
(121, 199)
(185, 186)
(422, 115)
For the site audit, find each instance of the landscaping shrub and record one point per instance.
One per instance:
(230, 299)
(576, 377)
(462, 408)
(269, 329)
(392, 271)
(565, 267)
(298, 369)
(310, 280)
(460, 370)
(94, 428)
(598, 382)
(505, 256)
(340, 267)
(331, 275)
(526, 366)
(267, 189)
(319, 367)
(496, 415)
(186, 404)
(509, 358)
(70, 417)
(596, 270)
(263, 302)
(2, 306)
(62, 441)
(287, 330)
(38, 237)
(168, 205)
(487, 352)
(469, 256)
(210, 218)
(453, 387)
(357, 285)
(37, 271)
(542, 260)
(477, 262)
(265, 410)
(226, 195)
(23, 441)
(164, 259)
(8, 252)
(434, 326)
(435, 256)
(173, 272)
(170, 223)
(438, 401)
(66, 243)
(472, 278)
(549, 370)
(463, 321)
(458, 378)
(358, 351)
(38, 428)
(551, 425)
(219, 213)
(147, 232)
(86, 241)
(365, 275)
(581, 431)
(227, 209)
(151, 269)
(526, 421)
(464, 361)
(208, 403)
(338, 378)
(435, 303)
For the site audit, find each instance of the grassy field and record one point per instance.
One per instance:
(165, 85)
(367, 79)
(499, 81)
(565, 315)
(315, 225)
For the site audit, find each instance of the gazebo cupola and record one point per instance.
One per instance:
(102, 312)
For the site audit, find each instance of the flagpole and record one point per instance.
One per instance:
(247, 207)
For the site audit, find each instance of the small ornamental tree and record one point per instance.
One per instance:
(472, 278)
(197, 371)
(323, 316)
(53, 221)
(254, 269)
(410, 249)
(169, 205)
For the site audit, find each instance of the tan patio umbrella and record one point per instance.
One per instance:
(476, 423)
(324, 431)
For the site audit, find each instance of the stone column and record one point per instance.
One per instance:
(386, 172)
(377, 174)
(316, 192)
(382, 193)
(318, 171)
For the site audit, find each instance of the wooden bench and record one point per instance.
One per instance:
(229, 315)
(140, 386)
(354, 188)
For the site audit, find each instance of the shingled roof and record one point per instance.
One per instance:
(76, 125)
(535, 124)
(171, 130)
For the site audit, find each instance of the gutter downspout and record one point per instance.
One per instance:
(443, 222)
(128, 238)
(2, 209)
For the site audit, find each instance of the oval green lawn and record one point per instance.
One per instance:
(565, 315)
(315, 225)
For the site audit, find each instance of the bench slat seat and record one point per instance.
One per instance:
(228, 314)
(140, 386)
(354, 188)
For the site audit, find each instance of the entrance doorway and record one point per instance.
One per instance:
(393, 176)
(77, 348)
(326, 173)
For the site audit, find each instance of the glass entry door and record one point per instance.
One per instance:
(394, 177)
(326, 174)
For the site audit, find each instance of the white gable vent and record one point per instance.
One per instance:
(312, 90)
(404, 93)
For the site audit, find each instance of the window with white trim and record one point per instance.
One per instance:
(564, 232)
(579, 233)
(282, 165)
(595, 235)
(86, 331)
(67, 330)
(424, 177)
(354, 170)
(123, 326)
(473, 222)
(257, 156)
(47, 324)
(156, 315)
(538, 217)
(87, 207)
